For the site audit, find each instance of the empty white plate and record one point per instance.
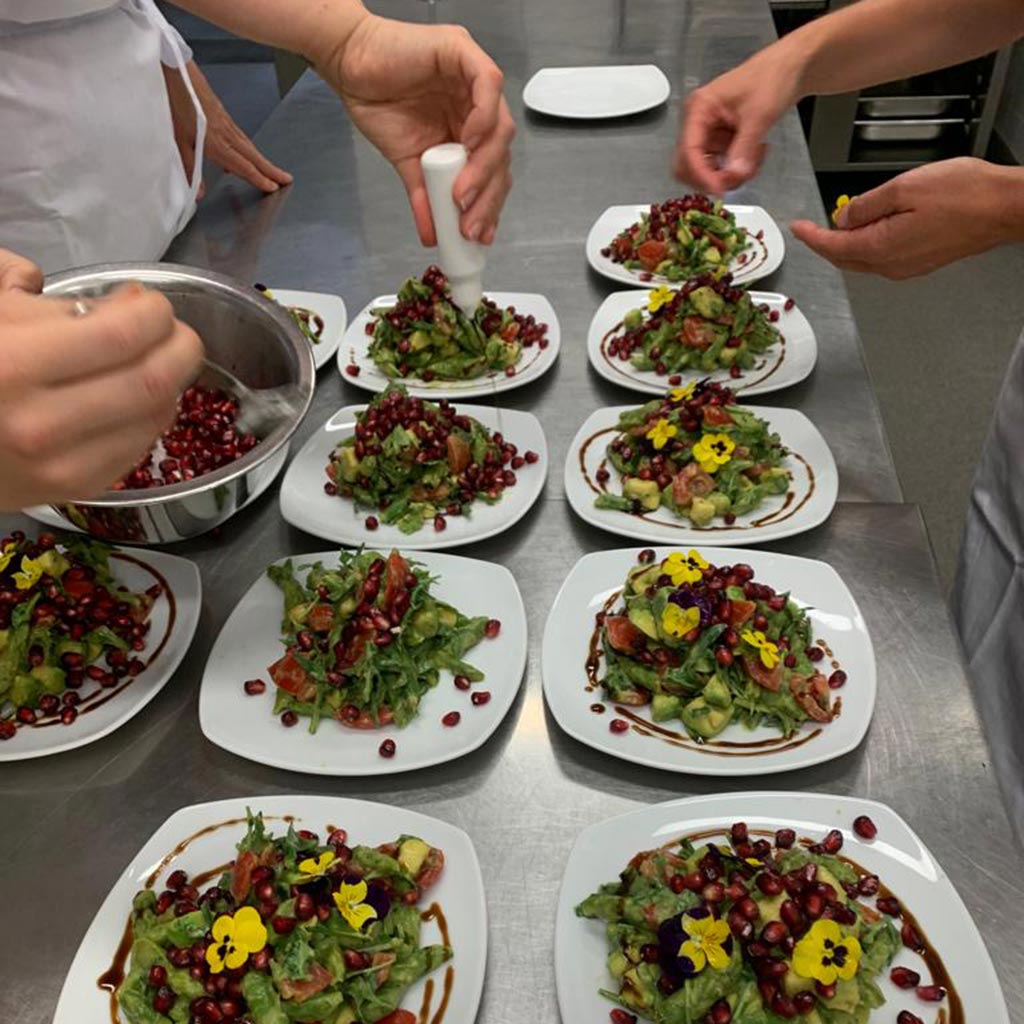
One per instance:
(305, 505)
(583, 712)
(330, 308)
(535, 362)
(174, 617)
(782, 365)
(897, 856)
(249, 642)
(595, 92)
(762, 257)
(209, 833)
(812, 492)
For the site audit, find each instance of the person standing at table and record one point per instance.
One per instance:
(913, 224)
(90, 172)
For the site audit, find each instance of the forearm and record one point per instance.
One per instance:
(1006, 188)
(313, 28)
(874, 41)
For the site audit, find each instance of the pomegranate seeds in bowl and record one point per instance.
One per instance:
(203, 437)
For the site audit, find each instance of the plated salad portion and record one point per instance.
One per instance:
(426, 336)
(752, 927)
(706, 325)
(415, 462)
(294, 929)
(67, 628)
(679, 238)
(365, 640)
(310, 322)
(697, 454)
(708, 646)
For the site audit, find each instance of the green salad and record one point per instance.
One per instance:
(417, 462)
(751, 932)
(425, 335)
(67, 628)
(365, 640)
(679, 238)
(311, 324)
(708, 646)
(706, 325)
(294, 931)
(697, 454)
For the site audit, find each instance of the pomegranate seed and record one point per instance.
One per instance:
(792, 916)
(931, 993)
(713, 893)
(650, 953)
(254, 687)
(677, 884)
(282, 925)
(289, 718)
(904, 977)
(825, 991)
(451, 719)
(868, 885)
(49, 704)
(352, 370)
(480, 698)
(387, 748)
(462, 683)
(833, 842)
(865, 827)
(783, 1006)
(619, 1016)
(906, 1017)
(837, 679)
(618, 725)
(748, 907)
(888, 905)
(721, 1012)
(785, 838)
(305, 908)
(723, 656)
(492, 629)
(68, 715)
(26, 715)
(646, 556)
(372, 522)
(157, 976)
(774, 932)
(439, 523)
(789, 304)
(531, 457)
(769, 884)
(164, 1000)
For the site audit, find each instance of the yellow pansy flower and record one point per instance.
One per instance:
(842, 201)
(31, 570)
(351, 903)
(680, 568)
(826, 954)
(661, 433)
(7, 554)
(313, 867)
(683, 394)
(713, 451)
(768, 651)
(235, 936)
(660, 296)
(706, 943)
(678, 621)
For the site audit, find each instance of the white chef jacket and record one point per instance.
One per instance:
(89, 171)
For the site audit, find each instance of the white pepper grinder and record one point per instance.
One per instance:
(461, 260)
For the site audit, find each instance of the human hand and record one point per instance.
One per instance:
(410, 87)
(18, 272)
(724, 123)
(923, 219)
(226, 145)
(82, 398)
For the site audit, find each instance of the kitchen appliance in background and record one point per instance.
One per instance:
(898, 125)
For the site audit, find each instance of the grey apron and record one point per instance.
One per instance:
(988, 596)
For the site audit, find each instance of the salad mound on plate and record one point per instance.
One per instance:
(294, 930)
(416, 461)
(365, 640)
(706, 325)
(708, 646)
(695, 453)
(748, 931)
(425, 335)
(65, 623)
(679, 238)
(310, 323)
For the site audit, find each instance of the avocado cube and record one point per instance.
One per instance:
(646, 492)
(411, 855)
(707, 302)
(664, 706)
(701, 511)
(716, 693)
(703, 720)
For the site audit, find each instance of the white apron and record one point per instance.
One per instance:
(988, 596)
(89, 171)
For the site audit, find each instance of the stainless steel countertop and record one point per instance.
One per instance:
(72, 822)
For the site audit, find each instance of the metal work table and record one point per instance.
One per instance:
(72, 822)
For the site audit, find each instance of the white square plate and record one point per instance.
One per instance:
(304, 504)
(49, 516)
(249, 643)
(897, 856)
(459, 892)
(762, 257)
(330, 307)
(355, 351)
(782, 365)
(836, 620)
(174, 618)
(596, 92)
(808, 503)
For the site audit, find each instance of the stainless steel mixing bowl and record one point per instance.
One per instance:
(250, 336)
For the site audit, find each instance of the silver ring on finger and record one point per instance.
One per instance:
(81, 308)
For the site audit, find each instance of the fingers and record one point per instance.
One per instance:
(480, 224)
(233, 151)
(485, 82)
(746, 153)
(880, 202)
(411, 173)
(19, 273)
(861, 249)
(704, 121)
(485, 181)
